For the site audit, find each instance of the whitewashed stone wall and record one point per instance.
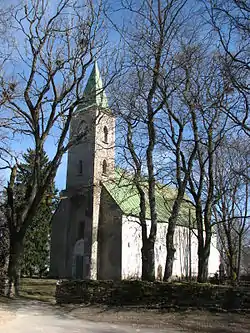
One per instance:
(132, 243)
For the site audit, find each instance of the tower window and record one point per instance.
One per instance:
(104, 167)
(80, 167)
(105, 132)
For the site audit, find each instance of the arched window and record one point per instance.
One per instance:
(105, 132)
(104, 167)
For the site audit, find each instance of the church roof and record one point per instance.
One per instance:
(123, 191)
(94, 94)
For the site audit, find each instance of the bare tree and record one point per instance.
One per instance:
(209, 125)
(136, 163)
(232, 206)
(149, 47)
(57, 44)
(181, 147)
(230, 21)
(130, 107)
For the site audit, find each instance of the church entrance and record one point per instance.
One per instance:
(78, 268)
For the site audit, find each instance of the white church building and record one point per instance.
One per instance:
(96, 231)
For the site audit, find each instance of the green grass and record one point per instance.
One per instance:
(38, 289)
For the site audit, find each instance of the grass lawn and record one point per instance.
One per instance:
(39, 289)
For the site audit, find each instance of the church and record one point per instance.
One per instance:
(95, 229)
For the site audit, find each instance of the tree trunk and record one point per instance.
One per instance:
(202, 268)
(170, 235)
(148, 261)
(170, 258)
(239, 258)
(203, 258)
(170, 252)
(144, 254)
(232, 265)
(151, 261)
(14, 267)
(231, 255)
(204, 252)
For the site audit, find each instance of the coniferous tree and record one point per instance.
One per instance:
(35, 257)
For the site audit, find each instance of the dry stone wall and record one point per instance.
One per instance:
(153, 295)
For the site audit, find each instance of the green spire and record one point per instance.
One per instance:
(94, 94)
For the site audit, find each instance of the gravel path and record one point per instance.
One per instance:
(32, 316)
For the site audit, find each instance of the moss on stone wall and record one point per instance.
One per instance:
(153, 294)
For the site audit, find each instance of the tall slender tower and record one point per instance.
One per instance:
(75, 224)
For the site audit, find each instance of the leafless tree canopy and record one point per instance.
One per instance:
(230, 21)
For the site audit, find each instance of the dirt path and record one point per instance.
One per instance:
(24, 316)
(185, 321)
(33, 316)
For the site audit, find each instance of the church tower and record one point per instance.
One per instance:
(75, 224)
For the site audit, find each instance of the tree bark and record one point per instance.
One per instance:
(148, 261)
(14, 267)
(239, 258)
(170, 240)
(170, 257)
(203, 257)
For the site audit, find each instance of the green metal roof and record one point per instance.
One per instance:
(94, 94)
(124, 192)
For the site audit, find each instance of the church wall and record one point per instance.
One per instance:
(58, 241)
(109, 239)
(72, 212)
(132, 243)
(80, 212)
(104, 151)
(84, 151)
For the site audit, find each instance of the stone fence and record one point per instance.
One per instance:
(3, 284)
(153, 294)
